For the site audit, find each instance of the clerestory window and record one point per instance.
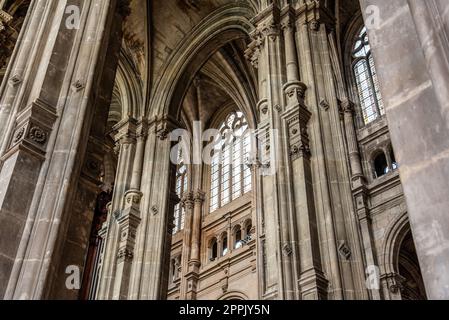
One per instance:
(366, 79)
(230, 177)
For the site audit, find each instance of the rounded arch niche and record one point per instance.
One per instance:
(400, 259)
(229, 23)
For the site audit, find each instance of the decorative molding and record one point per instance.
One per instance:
(324, 104)
(200, 196)
(344, 250)
(188, 200)
(77, 86)
(314, 25)
(164, 126)
(15, 80)
(38, 135)
(287, 249)
(252, 53)
(5, 19)
(297, 118)
(124, 254)
(295, 92)
(347, 106)
(19, 135)
(133, 197)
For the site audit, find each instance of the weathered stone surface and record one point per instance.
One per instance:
(90, 110)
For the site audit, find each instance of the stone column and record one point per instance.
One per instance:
(188, 204)
(128, 223)
(150, 275)
(354, 156)
(413, 74)
(277, 243)
(129, 219)
(312, 283)
(359, 188)
(195, 258)
(54, 85)
(337, 224)
(126, 140)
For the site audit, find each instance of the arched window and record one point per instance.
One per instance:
(380, 165)
(366, 79)
(248, 228)
(181, 189)
(230, 177)
(213, 250)
(238, 238)
(224, 243)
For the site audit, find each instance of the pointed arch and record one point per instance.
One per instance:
(230, 22)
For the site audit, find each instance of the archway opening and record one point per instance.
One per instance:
(409, 270)
(216, 91)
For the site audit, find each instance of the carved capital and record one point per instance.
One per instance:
(125, 131)
(133, 197)
(199, 196)
(347, 106)
(270, 30)
(295, 92)
(314, 25)
(188, 200)
(287, 26)
(252, 53)
(164, 126)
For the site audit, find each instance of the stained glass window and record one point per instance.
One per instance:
(230, 177)
(366, 79)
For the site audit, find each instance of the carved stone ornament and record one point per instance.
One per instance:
(133, 198)
(125, 254)
(314, 25)
(324, 104)
(15, 80)
(19, 135)
(287, 250)
(5, 19)
(162, 134)
(271, 30)
(297, 91)
(344, 250)
(77, 86)
(38, 135)
(347, 106)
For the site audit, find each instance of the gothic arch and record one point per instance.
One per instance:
(396, 232)
(229, 23)
(128, 88)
